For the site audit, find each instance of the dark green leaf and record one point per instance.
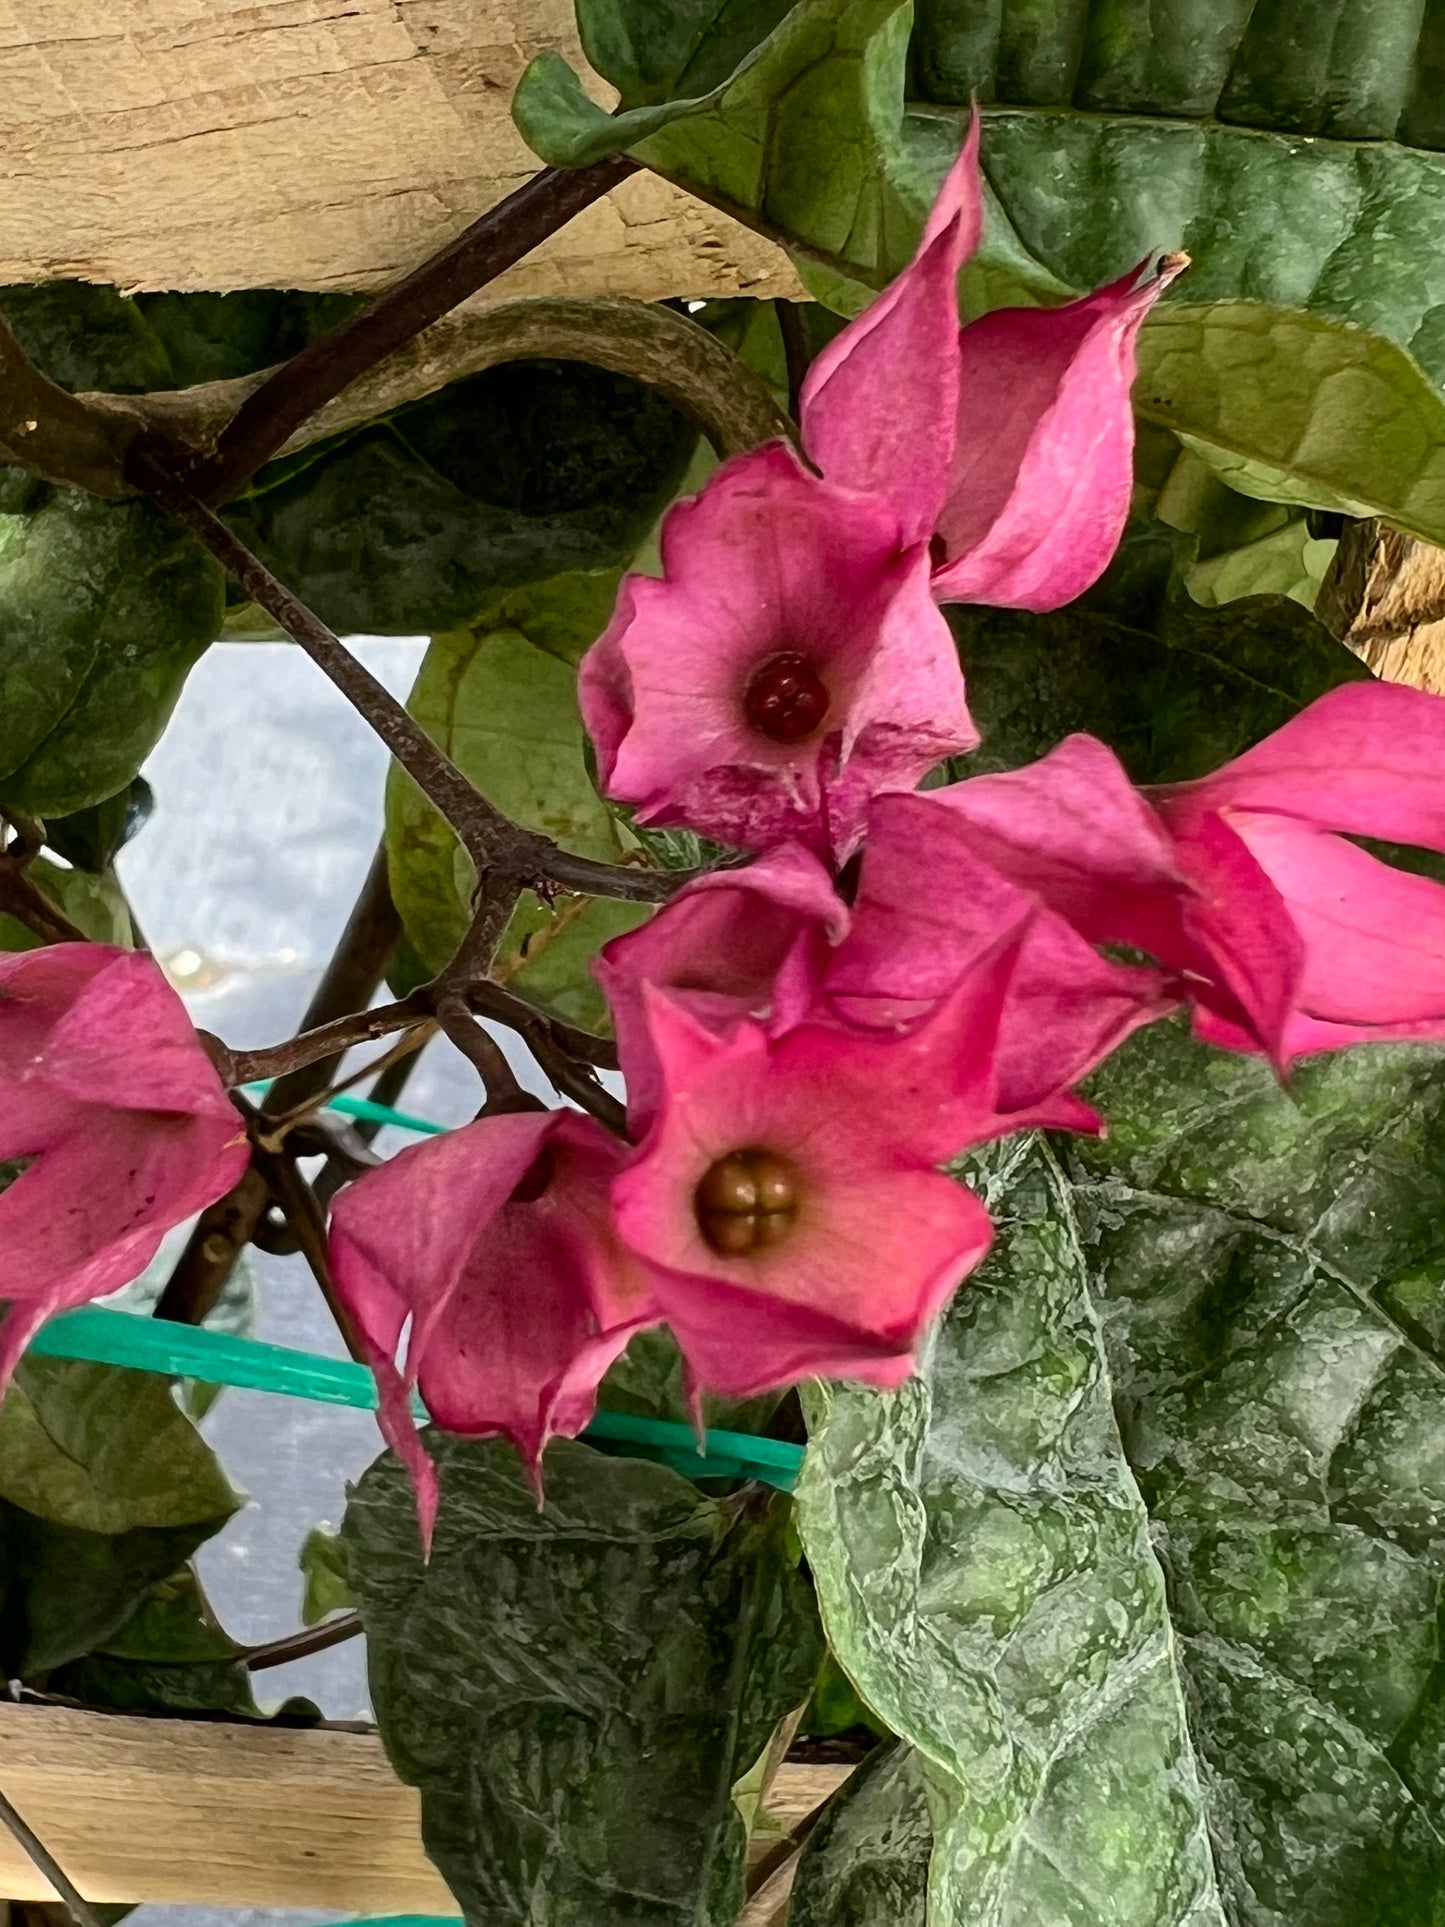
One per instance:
(866, 1861)
(105, 1488)
(1173, 688)
(412, 525)
(501, 699)
(104, 607)
(1272, 1273)
(650, 1381)
(170, 1656)
(88, 337)
(576, 1690)
(91, 839)
(984, 1567)
(804, 140)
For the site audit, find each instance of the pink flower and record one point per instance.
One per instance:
(496, 1243)
(106, 1090)
(929, 907)
(1010, 441)
(1304, 942)
(787, 1194)
(789, 664)
(749, 942)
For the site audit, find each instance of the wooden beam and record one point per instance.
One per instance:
(206, 1814)
(310, 144)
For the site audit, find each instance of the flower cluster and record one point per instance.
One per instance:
(897, 976)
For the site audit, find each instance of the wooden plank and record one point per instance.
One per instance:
(309, 144)
(197, 1812)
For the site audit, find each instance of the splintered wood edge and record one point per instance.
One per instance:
(208, 1814)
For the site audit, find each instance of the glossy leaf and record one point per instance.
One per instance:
(1173, 688)
(866, 1861)
(104, 608)
(576, 1690)
(413, 524)
(505, 711)
(1034, 1670)
(105, 1488)
(804, 140)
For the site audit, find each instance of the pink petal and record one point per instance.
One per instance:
(1043, 460)
(745, 942)
(769, 561)
(880, 400)
(1365, 758)
(928, 908)
(880, 1239)
(1373, 936)
(1072, 830)
(518, 1304)
(89, 1038)
(1248, 949)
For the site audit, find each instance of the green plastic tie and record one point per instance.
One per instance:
(222, 1358)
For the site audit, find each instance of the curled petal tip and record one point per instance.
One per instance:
(1170, 266)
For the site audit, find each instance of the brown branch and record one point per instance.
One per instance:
(491, 839)
(493, 243)
(53, 433)
(21, 899)
(666, 351)
(225, 1228)
(312, 1639)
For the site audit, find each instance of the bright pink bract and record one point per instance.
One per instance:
(109, 1099)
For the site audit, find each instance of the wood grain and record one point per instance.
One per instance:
(309, 144)
(209, 1814)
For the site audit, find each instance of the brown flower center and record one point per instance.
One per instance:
(787, 699)
(746, 1202)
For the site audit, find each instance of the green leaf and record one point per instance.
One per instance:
(95, 904)
(106, 1450)
(89, 337)
(104, 608)
(985, 1572)
(92, 839)
(803, 139)
(105, 1488)
(170, 1656)
(328, 1581)
(1173, 688)
(576, 1690)
(1295, 408)
(866, 1861)
(1271, 1274)
(501, 700)
(412, 525)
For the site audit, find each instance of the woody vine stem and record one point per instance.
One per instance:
(113, 447)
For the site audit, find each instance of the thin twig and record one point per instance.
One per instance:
(78, 1907)
(491, 839)
(19, 898)
(493, 243)
(313, 1639)
(225, 1228)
